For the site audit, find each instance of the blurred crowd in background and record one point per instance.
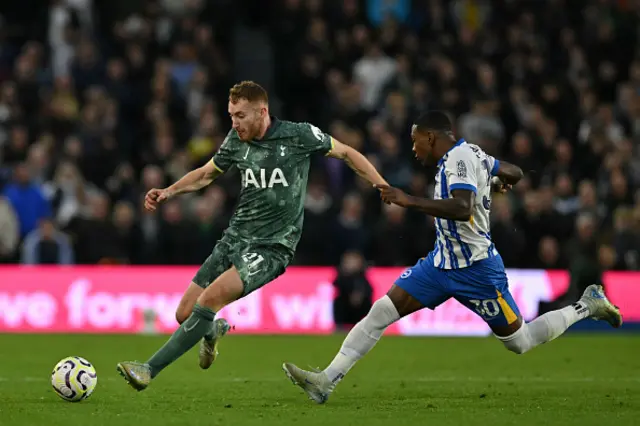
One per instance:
(101, 101)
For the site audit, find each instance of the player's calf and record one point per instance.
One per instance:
(362, 338)
(318, 385)
(544, 328)
(593, 304)
(518, 342)
(189, 298)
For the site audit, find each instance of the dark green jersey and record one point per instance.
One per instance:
(274, 174)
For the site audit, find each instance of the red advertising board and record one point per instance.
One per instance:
(105, 299)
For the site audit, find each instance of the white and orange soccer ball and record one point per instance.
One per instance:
(74, 379)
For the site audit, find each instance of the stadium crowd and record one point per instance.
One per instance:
(101, 101)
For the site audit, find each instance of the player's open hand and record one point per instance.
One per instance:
(391, 195)
(154, 197)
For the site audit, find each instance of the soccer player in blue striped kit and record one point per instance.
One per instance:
(464, 263)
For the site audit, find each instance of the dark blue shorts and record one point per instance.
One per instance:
(481, 287)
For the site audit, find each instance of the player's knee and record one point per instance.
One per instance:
(182, 315)
(215, 300)
(516, 348)
(519, 342)
(184, 310)
(188, 300)
(224, 290)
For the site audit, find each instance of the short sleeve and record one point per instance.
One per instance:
(223, 159)
(315, 140)
(494, 165)
(461, 170)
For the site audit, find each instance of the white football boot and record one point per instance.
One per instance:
(600, 308)
(316, 384)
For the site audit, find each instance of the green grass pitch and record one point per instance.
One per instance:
(576, 380)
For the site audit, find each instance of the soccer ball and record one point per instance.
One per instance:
(74, 379)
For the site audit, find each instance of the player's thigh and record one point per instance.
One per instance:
(499, 311)
(216, 264)
(405, 303)
(418, 287)
(258, 265)
(252, 267)
(189, 299)
(484, 288)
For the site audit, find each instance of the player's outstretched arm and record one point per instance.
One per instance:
(191, 182)
(357, 162)
(508, 173)
(196, 179)
(459, 208)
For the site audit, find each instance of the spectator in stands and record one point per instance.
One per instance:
(588, 201)
(393, 163)
(549, 254)
(372, 72)
(209, 225)
(147, 237)
(314, 247)
(349, 231)
(482, 126)
(626, 240)
(584, 267)
(378, 11)
(607, 257)
(125, 97)
(391, 237)
(27, 200)
(94, 236)
(47, 246)
(354, 292)
(66, 193)
(124, 222)
(508, 237)
(15, 150)
(178, 236)
(9, 231)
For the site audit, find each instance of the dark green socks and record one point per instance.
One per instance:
(199, 324)
(211, 334)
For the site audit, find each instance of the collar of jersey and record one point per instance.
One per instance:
(444, 157)
(274, 125)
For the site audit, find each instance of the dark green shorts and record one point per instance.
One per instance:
(258, 264)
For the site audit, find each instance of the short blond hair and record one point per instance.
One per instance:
(249, 90)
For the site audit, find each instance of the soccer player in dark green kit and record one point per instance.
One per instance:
(273, 158)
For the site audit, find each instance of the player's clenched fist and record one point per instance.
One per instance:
(154, 197)
(391, 195)
(498, 186)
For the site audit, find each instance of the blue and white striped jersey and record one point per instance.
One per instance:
(459, 244)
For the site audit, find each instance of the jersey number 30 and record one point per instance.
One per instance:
(486, 308)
